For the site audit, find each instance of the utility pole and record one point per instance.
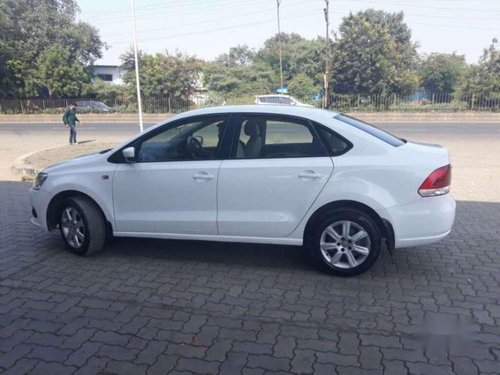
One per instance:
(325, 77)
(279, 43)
(137, 82)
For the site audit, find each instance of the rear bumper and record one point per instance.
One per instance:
(427, 221)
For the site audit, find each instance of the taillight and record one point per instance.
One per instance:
(438, 182)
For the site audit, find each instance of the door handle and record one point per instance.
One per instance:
(310, 175)
(203, 176)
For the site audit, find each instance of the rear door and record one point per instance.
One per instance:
(277, 169)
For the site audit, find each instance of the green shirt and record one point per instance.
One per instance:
(69, 117)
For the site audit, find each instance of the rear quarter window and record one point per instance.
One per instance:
(371, 129)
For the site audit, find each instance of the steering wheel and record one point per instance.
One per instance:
(194, 146)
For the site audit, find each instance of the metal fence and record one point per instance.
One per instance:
(161, 105)
(442, 102)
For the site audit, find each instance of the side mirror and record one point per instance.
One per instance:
(129, 154)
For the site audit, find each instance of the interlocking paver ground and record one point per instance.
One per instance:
(151, 306)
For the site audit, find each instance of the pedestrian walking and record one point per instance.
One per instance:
(70, 121)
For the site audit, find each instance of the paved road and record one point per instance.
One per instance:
(453, 129)
(191, 307)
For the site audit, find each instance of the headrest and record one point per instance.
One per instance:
(252, 128)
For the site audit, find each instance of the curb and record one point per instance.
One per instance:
(22, 168)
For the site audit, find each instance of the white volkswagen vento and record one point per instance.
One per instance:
(260, 174)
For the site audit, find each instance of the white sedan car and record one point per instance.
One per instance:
(258, 174)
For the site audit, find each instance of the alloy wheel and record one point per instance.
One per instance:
(73, 227)
(345, 244)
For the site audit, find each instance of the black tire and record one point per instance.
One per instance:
(360, 220)
(90, 221)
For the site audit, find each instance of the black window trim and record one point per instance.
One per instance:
(236, 120)
(117, 156)
(349, 147)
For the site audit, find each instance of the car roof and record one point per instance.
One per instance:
(315, 114)
(272, 95)
(307, 112)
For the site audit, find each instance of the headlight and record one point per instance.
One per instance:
(39, 180)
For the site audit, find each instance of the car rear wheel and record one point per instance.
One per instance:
(82, 226)
(345, 242)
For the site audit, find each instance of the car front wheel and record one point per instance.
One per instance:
(346, 242)
(82, 226)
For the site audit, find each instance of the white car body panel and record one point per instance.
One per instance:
(268, 197)
(247, 202)
(166, 197)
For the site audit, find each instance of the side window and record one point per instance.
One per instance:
(194, 139)
(284, 100)
(277, 137)
(338, 145)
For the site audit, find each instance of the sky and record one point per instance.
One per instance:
(208, 28)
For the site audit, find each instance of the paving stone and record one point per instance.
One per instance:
(111, 338)
(22, 366)
(487, 366)
(76, 340)
(187, 351)
(464, 366)
(252, 348)
(93, 366)
(122, 367)
(348, 343)
(163, 365)
(370, 358)
(233, 363)
(338, 359)
(218, 350)
(49, 354)
(117, 353)
(394, 367)
(284, 347)
(325, 369)
(80, 357)
(419, 368)
(197, 366)
(267, 362)
(302, 362)
(44, 368)
(379, 340)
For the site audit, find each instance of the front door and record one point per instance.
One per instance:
(172, 186)
(279, 167)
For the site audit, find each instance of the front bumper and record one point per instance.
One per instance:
(39, 200)
(426, 221)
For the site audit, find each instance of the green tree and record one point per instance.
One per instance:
(239, 80)
(163, 74)
(101, 90)
(28, 28)
(484, 77)
(60, 73)
(442, 72)
(374, 54)
(241, 55)
(303, 87)
(299, 56)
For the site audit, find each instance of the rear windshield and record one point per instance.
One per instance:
(372, 130)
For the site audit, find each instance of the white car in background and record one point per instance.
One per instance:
(259, 174)
(278, 99)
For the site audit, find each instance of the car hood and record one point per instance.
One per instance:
(74, 162)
